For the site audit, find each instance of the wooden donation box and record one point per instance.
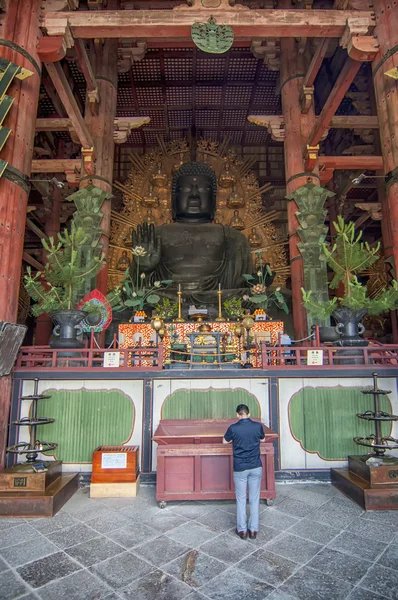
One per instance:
(115, 472)
(194, 464)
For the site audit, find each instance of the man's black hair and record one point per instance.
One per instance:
(242, 409)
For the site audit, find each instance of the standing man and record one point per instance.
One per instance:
(245, 436)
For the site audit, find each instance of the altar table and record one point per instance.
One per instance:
(133, 334)
(194, 464)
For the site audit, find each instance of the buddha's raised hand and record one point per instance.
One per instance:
(145, 238)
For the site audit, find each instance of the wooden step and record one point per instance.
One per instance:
(39, 504)
(385, 475)
(380, 498)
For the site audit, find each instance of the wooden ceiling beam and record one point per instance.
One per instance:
(316, 63)
(176, 24)
(65, 93)
(364, 163)
(28, 258)
(33, 227)
(87, 70)
(53, 124)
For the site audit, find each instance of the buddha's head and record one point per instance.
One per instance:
(194, 193)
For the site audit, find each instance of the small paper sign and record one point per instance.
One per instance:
(314, 357)
(114, 460)
(111, 359)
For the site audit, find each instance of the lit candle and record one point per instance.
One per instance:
(219, 287)
(179, 287)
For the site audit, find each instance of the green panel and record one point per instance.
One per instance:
(84, 420)
(208, 404)
(324, 420)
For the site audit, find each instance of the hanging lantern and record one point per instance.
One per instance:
(159, 178)
(150, 200)
(234, 200)
(226, 179)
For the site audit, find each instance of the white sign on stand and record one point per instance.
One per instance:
(314, 357)
(114, 460)
(111, 359)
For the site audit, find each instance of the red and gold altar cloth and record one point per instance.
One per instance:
(142, 334)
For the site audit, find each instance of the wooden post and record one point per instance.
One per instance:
(295, 175)
(101, 127)
(20, 33)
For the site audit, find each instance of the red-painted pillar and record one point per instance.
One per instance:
(295, 173)
(19, 34)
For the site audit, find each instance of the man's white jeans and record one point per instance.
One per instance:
(250, 478)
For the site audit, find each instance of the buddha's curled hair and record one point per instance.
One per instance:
(195, 169)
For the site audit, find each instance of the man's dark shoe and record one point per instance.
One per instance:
(252, 535)
(241, 534)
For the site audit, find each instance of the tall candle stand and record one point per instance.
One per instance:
(180, 318)
(219, 317)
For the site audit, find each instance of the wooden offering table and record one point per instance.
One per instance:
(194, 464)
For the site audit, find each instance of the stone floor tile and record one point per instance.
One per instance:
(121, 570)
(60, 521)
(195, 568)
(133, 534)
(161, 550)
(94, 551)
(30, 596)
(3, 566)
(337, 513)
(382, 516)
(382, 580)
(164, 521)
(359, 593)
(113, 596)
(72, 536)
(195, 596)
(357, 545)
(287, 488)
(295, 508)
(156, 586)
(344, 566)
(273, 517)
(311, 497)
(316, 532)
(108, 522)
(44, 570)
(281, 595)
(15, 535)
(390, 557)
(86, 511)
(219, 520)
(280, 497)
(11, 586)
(327, 489)
(268, 567)
(228, 548)
(118, 503)
(191, 534)
(235, 585)
(294, 548)
(308, 584)
(26, 552)
(82, 585)
(191, 510)
(143, 512)
(8, 523)
(370, 529)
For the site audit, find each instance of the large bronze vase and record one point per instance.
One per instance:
(66, 328)
(349, 326)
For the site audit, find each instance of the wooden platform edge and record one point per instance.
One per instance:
(358, 490)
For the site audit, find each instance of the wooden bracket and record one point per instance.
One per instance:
(88, 155)
(51, 49)
(311, 158)
(129, 51)
(360, 45)
(273, 123)
(124, 125)
(269, 51)
(306, 98)
(326, 175)
(93, 101)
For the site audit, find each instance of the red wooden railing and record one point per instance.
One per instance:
(87, 359)
(152, 358)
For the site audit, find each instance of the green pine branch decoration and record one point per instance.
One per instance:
(348, 257)
(61, 285)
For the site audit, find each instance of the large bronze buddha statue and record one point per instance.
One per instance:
(192, 250)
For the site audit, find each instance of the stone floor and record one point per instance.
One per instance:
(313, 544)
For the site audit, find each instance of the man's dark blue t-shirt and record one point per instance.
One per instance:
(245, 435)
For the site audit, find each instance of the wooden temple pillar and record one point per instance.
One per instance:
(291, 79)
(385, 71)
(19, 33)
(100, 124)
